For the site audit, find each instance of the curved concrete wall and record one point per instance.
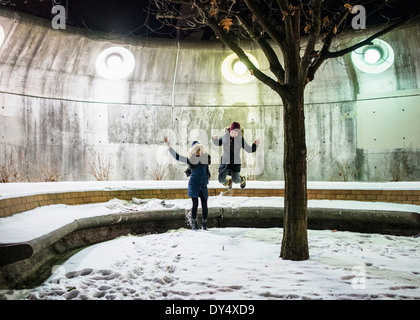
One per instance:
(58, 115)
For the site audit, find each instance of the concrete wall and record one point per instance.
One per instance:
(58, 116)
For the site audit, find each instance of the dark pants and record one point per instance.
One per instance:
(203, 206)
(235, 176)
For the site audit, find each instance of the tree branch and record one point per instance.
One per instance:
(225, 38)
(284, 7)
(326, 54)
(323, 54)
(266, 24)
(174, 16)
(275, 65)
(314, 35)
(366, 41)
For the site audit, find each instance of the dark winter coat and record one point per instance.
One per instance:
(231, 157)
(199, 166)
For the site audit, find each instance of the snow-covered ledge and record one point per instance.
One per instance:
(20, 197)
(12, 190)
(33, 239)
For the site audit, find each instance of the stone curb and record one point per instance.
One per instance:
(16, 258)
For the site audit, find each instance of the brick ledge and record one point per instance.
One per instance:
(15, 205)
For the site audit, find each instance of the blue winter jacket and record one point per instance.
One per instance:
(200, 173)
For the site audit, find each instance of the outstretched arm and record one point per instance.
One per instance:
(216, 140)
(249, 148)
(174, 154)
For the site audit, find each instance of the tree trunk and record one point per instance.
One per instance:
(295, 239)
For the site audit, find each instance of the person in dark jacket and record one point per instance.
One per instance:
(198, 161)
(232, 142)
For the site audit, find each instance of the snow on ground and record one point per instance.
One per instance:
(35, 223)
(228, 263)
(236, 264)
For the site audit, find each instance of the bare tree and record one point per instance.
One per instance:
(159, 171)
(48, 170)
(304, 32)
(99, 165)
(8, 167)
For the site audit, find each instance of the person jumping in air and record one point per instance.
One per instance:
(198, 170)
(232, 142)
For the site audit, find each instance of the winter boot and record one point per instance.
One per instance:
(203, 224)
(243, 182)
(228, 184)
(194, 224)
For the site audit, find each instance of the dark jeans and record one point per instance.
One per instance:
(204, 207)
(235, 176)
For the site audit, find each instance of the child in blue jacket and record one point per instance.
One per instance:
(198, 162)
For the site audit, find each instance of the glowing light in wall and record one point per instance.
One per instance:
(372, 56)
(235, 71)
(239, 68)
(1, 35)
(375, 58)
(115, 63)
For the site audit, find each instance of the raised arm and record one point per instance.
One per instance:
(175, 154)
(216, 140)
(249, 148)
